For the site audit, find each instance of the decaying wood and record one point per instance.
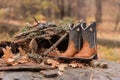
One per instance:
(98, 63)
(88, 73)
(49, 73)
(25, 67)
(25, 33)
(39, 58)
(37, 34)
(37, 30)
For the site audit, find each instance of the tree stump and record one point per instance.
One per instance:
(88, 73)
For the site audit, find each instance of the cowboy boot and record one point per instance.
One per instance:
(74, 44)
(89, 49)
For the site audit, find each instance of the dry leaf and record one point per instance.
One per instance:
(52, 62)
(8, 56)
(22, 52)
(24, 57)
(33, 45)
(81, 65)
(7, 52)
(73, 65)
(62, 67)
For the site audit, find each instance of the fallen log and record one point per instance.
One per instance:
(25, 68)
(88, 73)
(37, 33)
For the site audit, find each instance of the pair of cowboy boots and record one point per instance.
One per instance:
(82, 42)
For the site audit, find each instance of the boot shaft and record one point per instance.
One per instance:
(75, 35)
(89, 34)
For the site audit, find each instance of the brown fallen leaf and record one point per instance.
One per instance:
(33, 45)
(52, 62)
(9, 57)
(81, 65)
(75, 64)
(24, 57)
(62, 67)
(7, 53)
(22, 52)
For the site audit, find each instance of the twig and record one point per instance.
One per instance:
(25, 33)
(54, 45)
(35, 30)
(26, 68)
(35, 20)
(27, 38)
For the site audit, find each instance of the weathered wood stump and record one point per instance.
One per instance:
(88, 73)
(49, 36)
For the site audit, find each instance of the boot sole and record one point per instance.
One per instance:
(87, 59)
(79, 59)
(65, 58)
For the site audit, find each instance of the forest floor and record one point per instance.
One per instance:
(108, 42)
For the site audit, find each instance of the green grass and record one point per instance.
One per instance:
(109, 53)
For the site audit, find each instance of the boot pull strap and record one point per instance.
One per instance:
(84, 27)
(72, 27)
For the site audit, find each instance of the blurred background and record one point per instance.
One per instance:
(14, 14)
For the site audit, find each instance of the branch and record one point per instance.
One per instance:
(25, 33)
(36, 20)
(25, 67)
(54, 45)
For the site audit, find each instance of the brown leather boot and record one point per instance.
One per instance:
(89, 49)
(74, 44)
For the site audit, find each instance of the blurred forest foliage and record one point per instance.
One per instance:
(79, 9)
(15, 13)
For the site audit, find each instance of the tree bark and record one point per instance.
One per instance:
(98, 14)
(117, 17)
(88, 73)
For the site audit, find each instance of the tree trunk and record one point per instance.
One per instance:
(88, 73)
(117, 17)
(98, 15)
(62, 9)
